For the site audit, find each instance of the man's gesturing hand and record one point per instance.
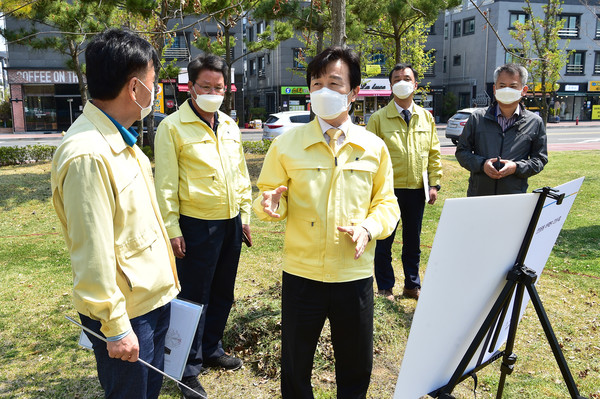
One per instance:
(270, 201)
(359, 235)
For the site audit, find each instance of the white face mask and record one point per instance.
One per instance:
(508, 95)
(145, 111)
(328, 104)
(209, 102)
(403, 89)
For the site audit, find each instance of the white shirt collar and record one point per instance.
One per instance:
(326, 126)
(409, 109)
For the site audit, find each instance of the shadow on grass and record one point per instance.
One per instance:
(18, 189)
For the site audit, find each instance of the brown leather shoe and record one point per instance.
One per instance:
(412, 293)
(388, 294)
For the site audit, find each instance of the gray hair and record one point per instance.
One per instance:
(512, 69)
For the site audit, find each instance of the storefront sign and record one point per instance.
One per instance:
(594, 85)
(571, 87)
(595, 112)
(294, 90)
(42, 77)
(373, 70)
(159, 102)
(375, 84)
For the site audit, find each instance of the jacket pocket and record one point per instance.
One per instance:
(303, 239)
(131, 257)
(358, 177)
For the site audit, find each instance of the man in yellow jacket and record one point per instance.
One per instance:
(332, 180)
(102, 189)
(411, 137)
(205, 198)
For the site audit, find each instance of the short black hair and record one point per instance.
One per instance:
(206, 61)
(400, 67)
(112, 58)
(318, 65)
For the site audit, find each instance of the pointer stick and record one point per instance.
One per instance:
(139, 360)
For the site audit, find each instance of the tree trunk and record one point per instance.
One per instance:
(228, 62)
(82, 86)
(338, 23)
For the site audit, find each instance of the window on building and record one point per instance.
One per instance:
(444, 64)
(431, 30)
(430, 71)
(517, 16)
(456, 60)
(446, 30)
(597, 63)
(261, 67)
(576, 63)
(252, 67)
(597, 36)
(514, 56)
(177, 49)
(469, 26)
(457, 26)
(251, 33)
(571, 25)
(299, 59)
(268, 58)
(260, 27)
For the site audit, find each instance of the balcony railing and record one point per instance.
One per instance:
(177, 52)
(597, 69)
(262, 74)
(569, 32)
(575, 69)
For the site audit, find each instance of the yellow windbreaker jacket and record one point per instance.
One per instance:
(199, 174)
(413, 149)
(326, 191)
(103, 193)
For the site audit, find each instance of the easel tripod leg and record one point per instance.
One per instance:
(509, 358)
(560, 358)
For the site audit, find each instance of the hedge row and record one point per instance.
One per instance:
(256, 147)
(35, 153)
(30, 153)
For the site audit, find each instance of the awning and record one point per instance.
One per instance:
(184, 87)
(374, 93)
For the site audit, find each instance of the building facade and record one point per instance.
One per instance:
(470, 51)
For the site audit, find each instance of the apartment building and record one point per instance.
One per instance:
(44, 93)
(468, 51)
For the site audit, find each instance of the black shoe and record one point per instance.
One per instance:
(193, 383)
(224, 361)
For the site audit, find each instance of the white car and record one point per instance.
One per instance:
(281, 122)
(457, 123)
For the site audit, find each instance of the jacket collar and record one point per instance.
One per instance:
(105, 126)
(490, 113)
(187, 115)
(392, 112)
(313, 135)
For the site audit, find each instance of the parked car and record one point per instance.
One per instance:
(158, 118)
(281, 122)
(457, 123)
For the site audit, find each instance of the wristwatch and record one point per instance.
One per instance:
(437, 187)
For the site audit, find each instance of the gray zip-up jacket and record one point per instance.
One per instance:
(482, 138)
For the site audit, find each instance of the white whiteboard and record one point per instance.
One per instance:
(475, 246)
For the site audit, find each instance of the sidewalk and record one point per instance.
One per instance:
(440, 126)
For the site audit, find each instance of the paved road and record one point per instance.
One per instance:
(565, 136)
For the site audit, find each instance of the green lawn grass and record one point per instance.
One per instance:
(39, 356)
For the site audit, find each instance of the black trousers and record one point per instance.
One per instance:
(412, 207)
(349, 307)
(207, 276)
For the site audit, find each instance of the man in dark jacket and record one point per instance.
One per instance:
(503, 145)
